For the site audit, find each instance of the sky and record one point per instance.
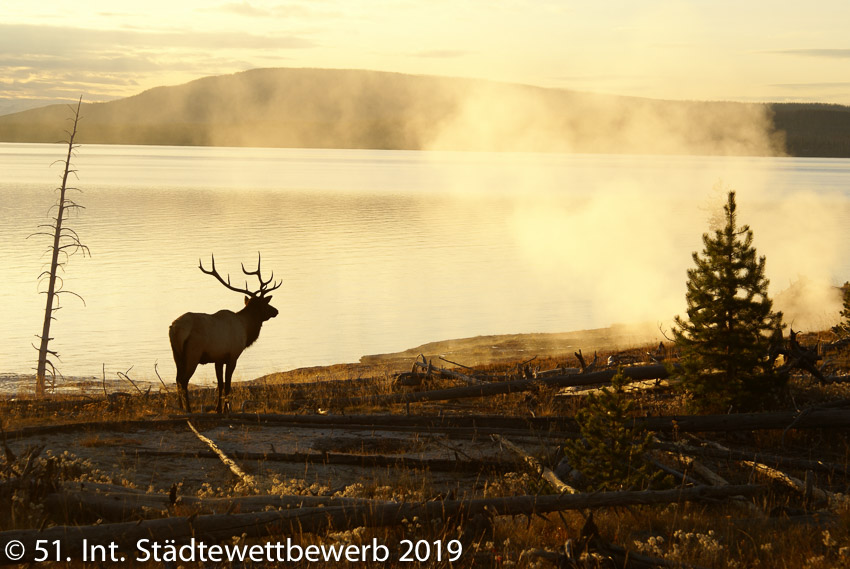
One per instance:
(741, 50)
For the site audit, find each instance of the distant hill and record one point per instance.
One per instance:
(812, 129)
(326, 108)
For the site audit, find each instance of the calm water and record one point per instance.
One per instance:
(383, 250)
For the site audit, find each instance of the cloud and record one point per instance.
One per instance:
(813, 85)
(442, 53)
(67, 41)
(50, 61)
(291, 10)
(818, 52)
(243, 9)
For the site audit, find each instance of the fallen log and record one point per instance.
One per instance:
(817, 419)
(736, 454)
(637, 386)
(544, 472)
(637, 373)
(812, 419)
(75, 501)
(234, 468)
(461, 426)
(566, 426)
(127, 537)
(341, 458)
(707, 474)
(471, 425)
(807, 490)
(699, 469)
(430, 368)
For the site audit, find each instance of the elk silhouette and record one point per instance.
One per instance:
(219, 338)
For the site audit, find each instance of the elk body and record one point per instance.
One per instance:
(219, 338)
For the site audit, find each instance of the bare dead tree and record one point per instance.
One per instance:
(66, 242)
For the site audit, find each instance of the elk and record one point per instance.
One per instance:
(219, 338)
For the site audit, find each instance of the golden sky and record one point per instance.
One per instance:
(759, 50)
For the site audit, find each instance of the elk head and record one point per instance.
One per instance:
(255, 301)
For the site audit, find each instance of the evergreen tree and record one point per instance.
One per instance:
(611, 452)
(843, 327)
(726, 339)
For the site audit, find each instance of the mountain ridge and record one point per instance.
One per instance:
(346, 108)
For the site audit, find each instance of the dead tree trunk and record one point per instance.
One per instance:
(67, 242)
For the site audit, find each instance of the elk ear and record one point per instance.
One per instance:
(247, 299)
(268, 299)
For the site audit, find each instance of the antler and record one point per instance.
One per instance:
(263, 284)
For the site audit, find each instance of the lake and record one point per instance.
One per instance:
(381, 251)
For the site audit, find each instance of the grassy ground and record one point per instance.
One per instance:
(780, 528)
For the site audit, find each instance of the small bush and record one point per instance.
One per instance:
(611, 453)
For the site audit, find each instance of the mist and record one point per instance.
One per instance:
(626, 245)
(495, 117)
(626, 238)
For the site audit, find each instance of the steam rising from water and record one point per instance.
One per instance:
(496, 117)
(624, 243)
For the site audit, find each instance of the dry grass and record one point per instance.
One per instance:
(788, 533)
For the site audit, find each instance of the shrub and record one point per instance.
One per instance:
(611, 453)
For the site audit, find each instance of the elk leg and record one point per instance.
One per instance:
(219, 376)
(228, 376)
(183, 386)
(183, 397)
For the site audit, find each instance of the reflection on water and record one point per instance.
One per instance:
(379, 251)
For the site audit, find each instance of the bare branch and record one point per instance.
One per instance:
(72, 293)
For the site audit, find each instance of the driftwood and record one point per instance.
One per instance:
(234, 468)
(541, 470)
(125, 537)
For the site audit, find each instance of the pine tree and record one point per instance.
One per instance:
(843, 327)
(611, 453)
(726, 339)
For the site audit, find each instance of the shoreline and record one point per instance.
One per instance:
(472, 351)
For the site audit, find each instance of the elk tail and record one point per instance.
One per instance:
(178, 335)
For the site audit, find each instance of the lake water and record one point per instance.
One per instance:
(385, 250)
